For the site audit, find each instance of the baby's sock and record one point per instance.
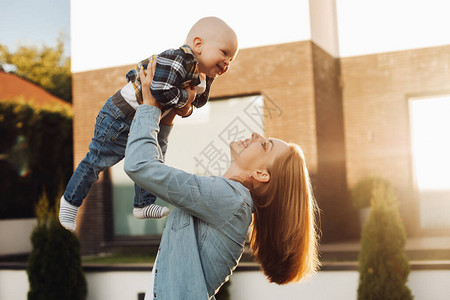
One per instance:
(152, 211)
(67, 215)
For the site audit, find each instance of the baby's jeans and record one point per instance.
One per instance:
(105, 150)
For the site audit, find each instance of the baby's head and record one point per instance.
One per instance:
(214, 44)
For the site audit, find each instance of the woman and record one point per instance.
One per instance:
(203, 240)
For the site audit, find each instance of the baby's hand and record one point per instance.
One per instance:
(191, 94)
(184, 111)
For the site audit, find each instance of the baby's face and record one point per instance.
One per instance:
(217, 54)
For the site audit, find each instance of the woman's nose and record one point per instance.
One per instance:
(255, 136)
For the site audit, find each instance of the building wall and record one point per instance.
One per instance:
(283, 74)
(350, 116)
(90, 92)
(338, 219)
(304, 83)
(16, 235)
(375, 92)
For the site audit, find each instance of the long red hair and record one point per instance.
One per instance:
(284, 237)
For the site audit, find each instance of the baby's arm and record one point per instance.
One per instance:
(184, 111)
(169, 77)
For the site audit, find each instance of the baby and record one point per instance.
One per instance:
(210, 46)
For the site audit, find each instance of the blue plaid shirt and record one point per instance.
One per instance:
(175, 71)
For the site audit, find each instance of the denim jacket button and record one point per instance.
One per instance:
(154, 295)
(156, 270)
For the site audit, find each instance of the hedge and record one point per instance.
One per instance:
(36, 154)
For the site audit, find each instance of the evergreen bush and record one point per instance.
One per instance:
(383, 265)
(362, 191)
(54, 266)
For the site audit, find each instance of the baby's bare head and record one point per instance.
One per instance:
(211, 28)
(214, 44)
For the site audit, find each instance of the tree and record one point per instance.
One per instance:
(383, 265)
(45, 66)
(54, 266)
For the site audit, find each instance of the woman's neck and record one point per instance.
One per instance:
(235, 172)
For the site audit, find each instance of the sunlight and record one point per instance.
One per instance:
(430, 126)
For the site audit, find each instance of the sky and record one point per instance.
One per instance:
(34, 22)
(131, 30)
(364, 26)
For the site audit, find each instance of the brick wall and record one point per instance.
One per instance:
(283, 74)
(349, 115)
(375, 92)
(90, 92)
(338, 218)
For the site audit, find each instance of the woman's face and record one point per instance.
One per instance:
(256, 153)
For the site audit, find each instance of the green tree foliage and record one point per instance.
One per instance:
(383, 265)
(36, 154)
(54, 266)
(45, 66)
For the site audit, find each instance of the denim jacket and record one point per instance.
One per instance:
(204, 235)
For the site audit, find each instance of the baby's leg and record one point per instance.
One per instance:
(105, 150)
(145, 207)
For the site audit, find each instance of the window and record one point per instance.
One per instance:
(198, 144)
(430, 127)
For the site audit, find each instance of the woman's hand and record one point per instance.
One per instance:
(146, 80)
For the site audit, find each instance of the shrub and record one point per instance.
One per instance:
(383, 265)
(362, 191)
(54, 266)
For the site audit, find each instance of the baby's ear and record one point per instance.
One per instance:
(197, 43)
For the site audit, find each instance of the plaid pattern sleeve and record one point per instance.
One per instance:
(201, 99)
(133, 76)
(175, 70)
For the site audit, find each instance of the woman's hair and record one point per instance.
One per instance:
(284, 238)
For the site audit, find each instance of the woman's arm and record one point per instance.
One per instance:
(166, 123)
(213, 199)
(210, 198)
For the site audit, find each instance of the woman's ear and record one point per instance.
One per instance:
(197, 43)
(261, 176)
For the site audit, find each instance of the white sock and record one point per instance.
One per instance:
(152, 211)
(67, 214)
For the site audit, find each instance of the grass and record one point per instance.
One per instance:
(134, 258)
(119, 259)
(122, 257)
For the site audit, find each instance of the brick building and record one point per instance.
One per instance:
(351, 115)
